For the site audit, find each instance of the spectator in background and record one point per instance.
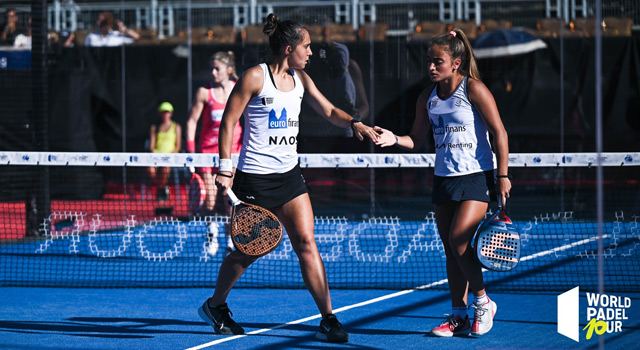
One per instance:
(9, 28)
(23, 41)
(347, 78)
(339, 78)
(164, 137)
(107, 36)
(69, 38)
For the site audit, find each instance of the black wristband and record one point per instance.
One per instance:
(502, 176)
(353, 121)
(225, 175)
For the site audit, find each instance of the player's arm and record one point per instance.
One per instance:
(248, 86)
(178, 147)
(483, 101)
(419, 130)
(126, 31)
(194, 116)
(152, 138)
(333, 114)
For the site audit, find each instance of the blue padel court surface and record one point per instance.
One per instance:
(60, 318)
(382, 253)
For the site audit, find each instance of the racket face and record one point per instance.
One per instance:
(497, 243)
(197, 193)
(255, 231)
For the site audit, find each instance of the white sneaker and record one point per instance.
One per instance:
(212, 238)
(483, 319)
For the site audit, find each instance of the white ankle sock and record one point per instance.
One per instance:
(481, 300)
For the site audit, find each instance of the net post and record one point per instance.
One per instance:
(38, 197)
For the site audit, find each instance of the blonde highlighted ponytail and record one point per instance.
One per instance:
(228, 58)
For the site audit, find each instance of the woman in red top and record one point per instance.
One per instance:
(210, 102)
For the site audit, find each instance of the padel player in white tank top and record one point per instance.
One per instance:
(269, 96)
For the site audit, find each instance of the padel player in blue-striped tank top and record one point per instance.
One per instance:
(461, 112)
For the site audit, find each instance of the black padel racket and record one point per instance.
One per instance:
(255, 230)
(497, 242)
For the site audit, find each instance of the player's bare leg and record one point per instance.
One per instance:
(297, 218)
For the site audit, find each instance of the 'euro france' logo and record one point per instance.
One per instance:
(276, 122)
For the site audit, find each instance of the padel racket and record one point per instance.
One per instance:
(255, 231)
(197, 192)
(497, 242)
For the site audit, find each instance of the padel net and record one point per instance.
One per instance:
(95, 220)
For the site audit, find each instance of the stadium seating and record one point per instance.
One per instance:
(470, 28)
(316, 32)
(426, 30)
(617, 26)
(376, 31)
(495, 24)
(341, 32)
(549, 27)
(252, 34)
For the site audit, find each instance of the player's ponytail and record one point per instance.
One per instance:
(458, 46)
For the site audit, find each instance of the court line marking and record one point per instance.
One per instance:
(385, 297)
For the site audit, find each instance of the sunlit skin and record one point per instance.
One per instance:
(442, 70)
(299, 58)
(297, 214)
(457, 221)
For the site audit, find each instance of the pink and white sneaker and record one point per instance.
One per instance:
(483, 319)
(452, 325)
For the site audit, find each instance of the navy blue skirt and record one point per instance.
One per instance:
(472, 187)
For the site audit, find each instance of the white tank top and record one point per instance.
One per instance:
(461, 138)
(271, 128)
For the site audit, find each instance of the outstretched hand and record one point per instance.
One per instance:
(361, 130)
(385, 137)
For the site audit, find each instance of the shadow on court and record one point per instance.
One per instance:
(100, 327)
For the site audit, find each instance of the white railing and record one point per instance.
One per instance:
(169, 17)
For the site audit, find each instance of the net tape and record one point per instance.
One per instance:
(310, 160)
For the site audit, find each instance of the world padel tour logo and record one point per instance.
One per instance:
(278, 122)
(605, 314)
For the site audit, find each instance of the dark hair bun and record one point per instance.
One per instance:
(271, 24)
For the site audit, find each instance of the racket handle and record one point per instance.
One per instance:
(232, 197)
(192, 169)
(502, 202)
